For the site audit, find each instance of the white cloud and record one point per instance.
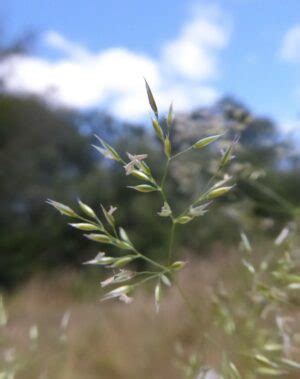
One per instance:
(194, 53)
(290, 52)
(58, 42)
(290, 47)
(289, 126)
(112, 78)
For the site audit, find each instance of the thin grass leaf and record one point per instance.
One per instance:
(100, 259)
(121, 262)
(217, 192)
(157, 296)
(234, 371)
(118, 292)
(170, 116)
(123, 244)
(283, 235)
(168, 147)
(183, 219)
(98, 238)
(248, 266)
(246, 242)
(63, 209)
(227, 155)
(106, 153)
(143, 188)
(113, 153)
(165, 280)
(265, 361)
(140, 175)
(158, 130)
(178, 265)
(86, 209)
(268, 371)
(290, 363)
(206, 141)
(85, 226)
(108, 216)
(124, 235)
(151, 99)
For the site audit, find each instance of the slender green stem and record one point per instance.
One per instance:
(181, 152)
(122, 161)
(154, 263)
(115, 231)
(161, 188)
(163, 195)
(165, 175)
(152, 275)
(140, 255)
(146, 279)
(206, 190)
(212, 178)
(171, 242)
(146, 273)
(98, 220)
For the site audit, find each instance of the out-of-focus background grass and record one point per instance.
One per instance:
(45, 152)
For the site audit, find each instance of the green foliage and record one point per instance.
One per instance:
(41, 154)
(261, 312)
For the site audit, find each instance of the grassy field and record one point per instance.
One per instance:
(60, 330)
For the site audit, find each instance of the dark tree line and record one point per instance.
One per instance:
(47, 153)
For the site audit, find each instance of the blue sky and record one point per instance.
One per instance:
(191, 51)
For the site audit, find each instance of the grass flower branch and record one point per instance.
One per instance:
(269, 282)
